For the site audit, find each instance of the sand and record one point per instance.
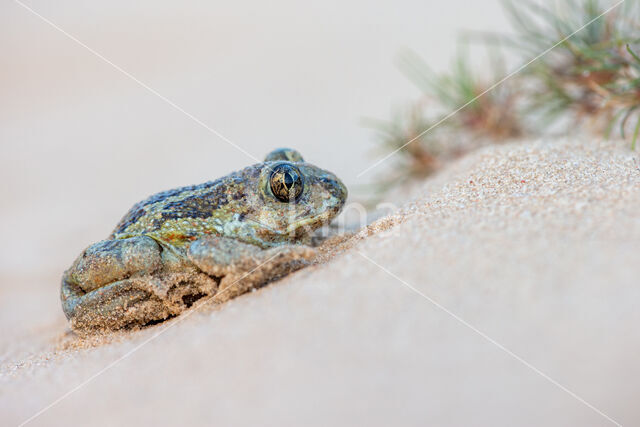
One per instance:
(503, 292)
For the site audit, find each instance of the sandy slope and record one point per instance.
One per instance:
(536, 245)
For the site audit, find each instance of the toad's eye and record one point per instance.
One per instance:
(286, 182)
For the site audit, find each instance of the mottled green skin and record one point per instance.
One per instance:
(178, 245)
(239, 205)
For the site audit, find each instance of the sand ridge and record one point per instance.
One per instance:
(534, 243)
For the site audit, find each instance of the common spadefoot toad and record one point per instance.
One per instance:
(218, 239)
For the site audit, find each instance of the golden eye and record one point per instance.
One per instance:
(286, 182)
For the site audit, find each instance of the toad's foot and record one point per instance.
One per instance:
(128, 282)
(244, 267)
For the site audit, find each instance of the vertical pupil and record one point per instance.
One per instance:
(288, 181)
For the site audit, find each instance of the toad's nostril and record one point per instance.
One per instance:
(329, 181)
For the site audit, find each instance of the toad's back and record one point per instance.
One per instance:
(184, 214)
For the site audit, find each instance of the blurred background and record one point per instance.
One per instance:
(82, 142)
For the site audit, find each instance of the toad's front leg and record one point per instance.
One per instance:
(243, 266)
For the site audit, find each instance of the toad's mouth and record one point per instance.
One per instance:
(318, 219)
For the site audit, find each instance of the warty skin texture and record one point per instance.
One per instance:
(221, 239)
